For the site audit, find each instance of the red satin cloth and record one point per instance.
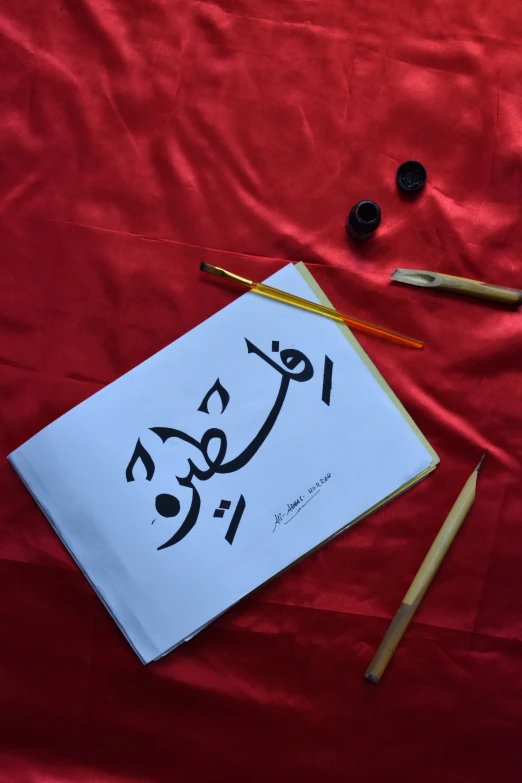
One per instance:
(138, 139)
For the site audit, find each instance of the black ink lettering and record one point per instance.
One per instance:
(292, 517)
(327, 380)
(236, 519)
(167, 432)
(140, 452)
(278, 520)
(275, 346)
(222, 393)
(168, 505)
(223, 506)
(309, 499)
(290, 357)
(189, 521)
(304, 504)
(253, 447)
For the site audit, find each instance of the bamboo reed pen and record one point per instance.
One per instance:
(305, 304)
(423, 578)
(458, 285)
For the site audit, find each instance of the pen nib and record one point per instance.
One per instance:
(481, 461)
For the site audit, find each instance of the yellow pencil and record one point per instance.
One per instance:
(297, 301)
(423, 578)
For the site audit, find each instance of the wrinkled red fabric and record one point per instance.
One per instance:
(138, 139)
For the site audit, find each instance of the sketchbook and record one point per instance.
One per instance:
(220, 461)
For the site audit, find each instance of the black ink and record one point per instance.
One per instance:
(255, 444)
(223, 506)
(293, 505)
(275, 346)
(319, 483)
(278, 520)
(327, 380)
(288, 356)
(218, 389)
(296, 367)
(140, 452)
(292, 358)
(189, 521)
(309, 499)
(301, 507)
(236, 519)
(167, 505)
(297, 505)
(167, 432)
(293, 515)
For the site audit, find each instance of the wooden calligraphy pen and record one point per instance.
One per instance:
(329, 312)
(423, 578)
(458, 285)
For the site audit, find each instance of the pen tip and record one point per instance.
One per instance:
(481, 461)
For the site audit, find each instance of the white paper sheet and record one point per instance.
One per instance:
(300, 475)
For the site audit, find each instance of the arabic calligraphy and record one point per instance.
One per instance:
(295, 367)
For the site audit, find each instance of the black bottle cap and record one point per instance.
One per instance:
(363, 219)
(411, 176)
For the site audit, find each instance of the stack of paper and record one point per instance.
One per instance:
(218, 462)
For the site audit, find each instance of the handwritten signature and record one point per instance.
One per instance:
(295, 506)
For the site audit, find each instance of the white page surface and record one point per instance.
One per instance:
(288, 462)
